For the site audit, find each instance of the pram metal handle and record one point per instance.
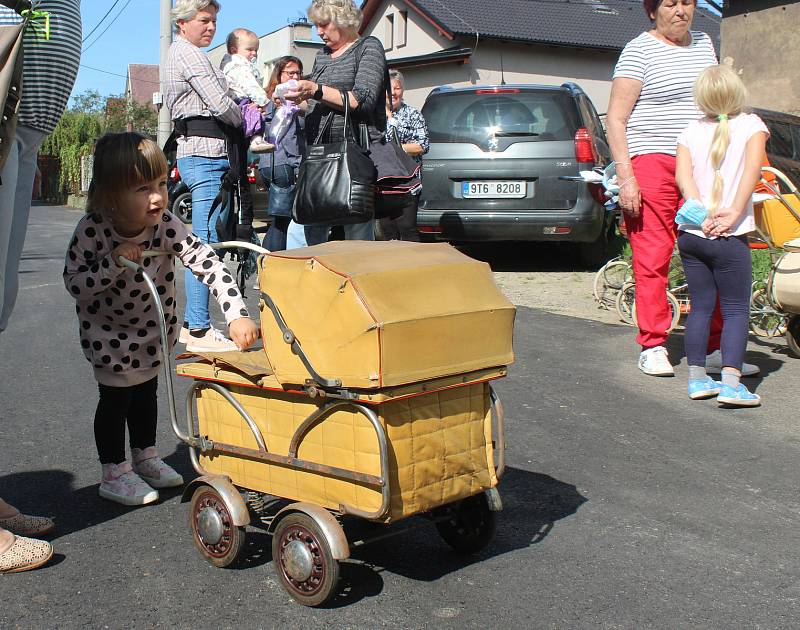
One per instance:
(191, 440)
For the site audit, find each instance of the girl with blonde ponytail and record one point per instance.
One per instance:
(718, 165)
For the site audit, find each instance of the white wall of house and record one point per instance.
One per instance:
(521, 63)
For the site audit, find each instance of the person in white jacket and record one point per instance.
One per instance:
(245, 81)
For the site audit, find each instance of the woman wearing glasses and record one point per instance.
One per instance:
(280, 168)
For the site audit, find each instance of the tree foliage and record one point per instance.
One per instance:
(89, 117)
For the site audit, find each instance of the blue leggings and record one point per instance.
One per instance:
(715, 266)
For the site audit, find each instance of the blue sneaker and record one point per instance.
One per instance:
(740, 397)
(703, 388)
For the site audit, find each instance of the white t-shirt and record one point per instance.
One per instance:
(697, 138)
(666, 103)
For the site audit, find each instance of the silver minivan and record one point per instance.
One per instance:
(503, 164)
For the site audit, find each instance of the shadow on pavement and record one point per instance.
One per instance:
(532, 504)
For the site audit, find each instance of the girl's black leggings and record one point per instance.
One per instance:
(138, 406)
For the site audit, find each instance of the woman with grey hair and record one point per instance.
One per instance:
(205, 119)
(346, 63)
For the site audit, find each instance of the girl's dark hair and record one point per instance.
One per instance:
(275, 77)
(122, 160)
(651, 6)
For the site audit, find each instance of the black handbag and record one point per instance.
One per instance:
(335, 181)
(398, 177)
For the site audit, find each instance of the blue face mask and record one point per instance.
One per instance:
(692, 212)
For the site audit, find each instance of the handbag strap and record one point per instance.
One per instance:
(329, 119)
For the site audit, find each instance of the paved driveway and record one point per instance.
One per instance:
(626, 504)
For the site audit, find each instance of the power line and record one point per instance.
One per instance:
(83, 41)
(115, 74)
(110, 24)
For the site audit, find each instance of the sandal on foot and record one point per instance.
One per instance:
(27, 525)
(25, 554)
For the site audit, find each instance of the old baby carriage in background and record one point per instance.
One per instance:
(370, 399)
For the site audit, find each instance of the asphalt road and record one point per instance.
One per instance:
(626, 504)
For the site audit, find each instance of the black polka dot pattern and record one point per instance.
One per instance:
(118, 321)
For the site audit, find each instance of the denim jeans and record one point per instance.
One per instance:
(282, 176)
(202, 175)
(15, 207)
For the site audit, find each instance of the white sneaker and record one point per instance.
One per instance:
(183, 337)
(714, 365)
(212, 341)
(154, 470)
(655, 362)
(122, 485)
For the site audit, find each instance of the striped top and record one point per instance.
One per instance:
(50, 66)
(666, 103)
(360, 69)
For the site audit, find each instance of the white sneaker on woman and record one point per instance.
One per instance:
(714, 365)
(655, 362)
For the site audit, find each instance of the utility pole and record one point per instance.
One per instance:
(164, 122)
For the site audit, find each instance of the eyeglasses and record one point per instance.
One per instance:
(292, 73)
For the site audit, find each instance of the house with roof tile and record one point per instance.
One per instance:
(491, 42)
(760, 38)
(141, 82)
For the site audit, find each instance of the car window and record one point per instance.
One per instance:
(780, 139)
(528, 115)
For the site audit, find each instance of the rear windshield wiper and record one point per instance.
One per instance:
(509, 134)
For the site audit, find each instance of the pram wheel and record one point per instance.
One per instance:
(793, 335)
(214, 534)
(303, 560)
(469, 525)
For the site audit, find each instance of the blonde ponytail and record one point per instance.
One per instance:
(719, 93)
(719, 147)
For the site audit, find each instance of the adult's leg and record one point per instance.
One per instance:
(652, 237)
(143, 414)
(315, 234)
(280, 176)
(697, 254)
(407, 222)
(202, 175)
(360, 231)
(15, 205)
(109, 423)
(733, 274)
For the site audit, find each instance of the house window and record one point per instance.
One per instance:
(402, 26)
(388, 36)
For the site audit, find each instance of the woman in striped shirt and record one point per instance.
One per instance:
(49, 70)
(651, 103)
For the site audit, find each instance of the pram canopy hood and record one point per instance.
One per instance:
(380, 314)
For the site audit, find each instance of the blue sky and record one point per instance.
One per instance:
(133, 36)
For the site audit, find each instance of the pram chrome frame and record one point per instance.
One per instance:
(315, 387)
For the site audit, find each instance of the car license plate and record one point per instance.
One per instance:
(493, 189)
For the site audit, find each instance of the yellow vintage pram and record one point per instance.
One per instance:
(372, 400)
(775, 306)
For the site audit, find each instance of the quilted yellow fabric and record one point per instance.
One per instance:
(440, 446)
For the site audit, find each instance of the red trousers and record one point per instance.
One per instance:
(652, 235)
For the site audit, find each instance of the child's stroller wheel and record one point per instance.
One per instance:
(303, 560)
(213, 531)
(470, 524)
